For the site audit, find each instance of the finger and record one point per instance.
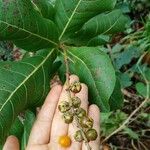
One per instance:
(12, 143)
(95, 114)
(83, 95)
(40, 133)
(38, 147)
(60, 128)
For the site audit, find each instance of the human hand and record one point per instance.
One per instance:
(49, 125)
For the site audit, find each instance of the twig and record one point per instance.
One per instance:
(138, 108)
(145, 148)
(132, 143)
(70, 100)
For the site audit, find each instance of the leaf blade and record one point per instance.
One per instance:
(90, 65)
(23, 88)
(106, 23)
(25, 27)
(71, 15)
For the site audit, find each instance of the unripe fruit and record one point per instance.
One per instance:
(80, 112)
(68, 117)
(87, 122)
(75, 87)
(76, 102)
(64, 106)
(78, 136)
(91, 135)
(64, 141)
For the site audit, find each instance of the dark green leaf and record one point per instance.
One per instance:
(98, 40)
(45, 8)
(147, 73)
(24, 84)
(22, 24)
(106, 23)
(72, 14)
(116, 99)
(17, 128)
(28, 123)
(95, 69)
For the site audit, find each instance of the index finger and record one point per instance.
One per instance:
(44, 120)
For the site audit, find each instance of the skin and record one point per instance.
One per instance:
(49, 125)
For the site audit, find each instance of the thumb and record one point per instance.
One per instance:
(12, 143)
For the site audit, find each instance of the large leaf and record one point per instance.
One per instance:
(116, 99)
(22, 24)
(24, 84)
(17, 128)
(98, 40)
(105, 23)
(95, 69)
(72, 14)
(45, 8)
(94, 30)
(28, 123)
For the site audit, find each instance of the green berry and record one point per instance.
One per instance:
(75, 87)
(87, 122)
(91, 135)
(78, 136)
(80, 112)
(64, 106)
(68, 117)
(76, 102)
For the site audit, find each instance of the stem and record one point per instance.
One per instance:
(70, 100)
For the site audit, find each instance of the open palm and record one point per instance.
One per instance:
(49, 125)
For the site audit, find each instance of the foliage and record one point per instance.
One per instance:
(111, 121)
(6, 49)
(29, 119)
(44, 27)
(135, 6)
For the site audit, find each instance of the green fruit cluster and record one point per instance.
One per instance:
(73, 109)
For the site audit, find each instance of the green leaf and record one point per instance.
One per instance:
(24, 84)
(126, 56)
(95, 69)
(131, 133)
(147, 73)
(116, 99)
(72, 14)
(28, 123)
(125, 79)
(98, 40)
(45, 8)
(141, 89)
(17, 128)
(106, 23)
(22, 24)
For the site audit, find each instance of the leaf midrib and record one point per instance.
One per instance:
(34, 34)
(89, 72)
(69, 20)
(22, 83)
